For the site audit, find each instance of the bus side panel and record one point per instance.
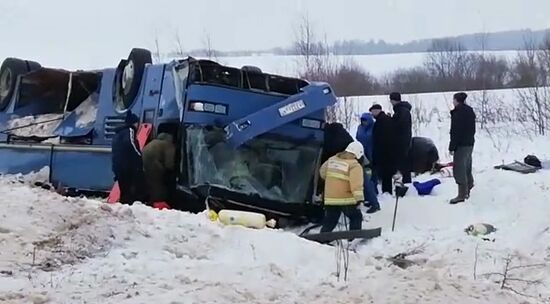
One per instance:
(16, 159)
(88, 170)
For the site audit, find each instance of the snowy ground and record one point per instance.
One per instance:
(68, 250)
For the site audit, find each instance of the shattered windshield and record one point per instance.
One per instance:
(274, 169)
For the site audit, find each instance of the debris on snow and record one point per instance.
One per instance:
(480, 229)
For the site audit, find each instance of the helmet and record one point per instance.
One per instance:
(356, 148)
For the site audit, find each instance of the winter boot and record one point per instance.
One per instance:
(373, 209)
(461, 197)
(469, 190)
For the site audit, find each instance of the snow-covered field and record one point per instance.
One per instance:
(68, 250)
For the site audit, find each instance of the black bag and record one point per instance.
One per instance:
(532, 160)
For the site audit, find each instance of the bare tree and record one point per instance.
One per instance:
(209, 51)
(304, 39)
(156, 53)
(529, 73)
(484, 101)
(179, 45)
(449, 63)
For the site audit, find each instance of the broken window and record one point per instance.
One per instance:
(273, 168)
(46, 96)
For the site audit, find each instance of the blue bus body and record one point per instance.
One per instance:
(241, 145)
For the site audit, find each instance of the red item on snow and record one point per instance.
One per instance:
(161, 205)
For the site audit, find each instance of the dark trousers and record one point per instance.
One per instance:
(404, 166)
(132, 187)
(386, 176)
(369, 191)
(462, 166)
(332, 215)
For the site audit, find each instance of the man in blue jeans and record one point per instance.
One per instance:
(364, 136)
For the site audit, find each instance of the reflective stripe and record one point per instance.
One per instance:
(359, 195)
(338, 175)
(340, 201)
(132, 141)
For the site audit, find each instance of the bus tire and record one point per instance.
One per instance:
(9, 71)
(33, 65)
(131, 75)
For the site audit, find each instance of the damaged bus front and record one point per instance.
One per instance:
(250, 140)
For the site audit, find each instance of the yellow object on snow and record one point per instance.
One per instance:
(244, 218)
(212, 215)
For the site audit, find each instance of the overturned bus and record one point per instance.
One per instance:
(247, 140)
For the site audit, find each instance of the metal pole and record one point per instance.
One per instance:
(395, 212)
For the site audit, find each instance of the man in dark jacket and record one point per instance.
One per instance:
(126, 161)
(463, 130)
(383, 147)
(336, 139)
(158, 162)
(402, 123)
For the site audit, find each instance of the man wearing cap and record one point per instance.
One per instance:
(343, 175)
(383, 149)
(463, 130)
(127, 163)
(402, 122)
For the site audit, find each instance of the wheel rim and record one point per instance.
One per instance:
(5, 84)
(127, 77)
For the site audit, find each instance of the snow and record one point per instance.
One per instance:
(76, 250)
(87, 111)
(42, 125)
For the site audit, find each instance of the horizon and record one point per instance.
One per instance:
(87, 33)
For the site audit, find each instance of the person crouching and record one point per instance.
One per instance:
(343, 175)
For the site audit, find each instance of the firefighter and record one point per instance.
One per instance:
(127, 164)
(343, 175)
(158, 162)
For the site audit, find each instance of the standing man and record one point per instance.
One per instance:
(365, 137)
(158, 162)
(402, 122)
(343, 193)
(126, 161)
(383, 149)
(335, 140)
(463, 130)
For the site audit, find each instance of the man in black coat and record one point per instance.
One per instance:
(383, 148)
(463, 130)
(402, 123)
(127, 163)
(336, 139)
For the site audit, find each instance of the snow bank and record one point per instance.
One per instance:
(80, 250)
(61, 250)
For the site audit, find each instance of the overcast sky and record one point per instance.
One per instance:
(86, 33)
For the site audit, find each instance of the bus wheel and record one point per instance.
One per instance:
(9, 71)
(33, 65)
(131, 74)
